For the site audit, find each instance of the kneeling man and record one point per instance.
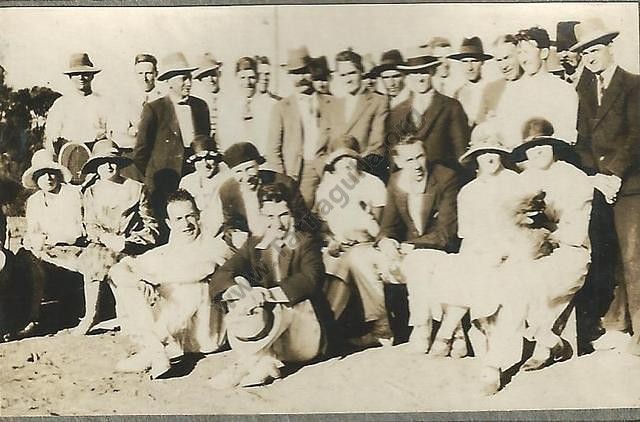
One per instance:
(272, 289)
(163, 293)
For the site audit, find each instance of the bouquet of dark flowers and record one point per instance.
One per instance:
(534, 215)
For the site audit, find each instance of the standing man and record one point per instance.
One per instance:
(437, 120)
(548, 96)
(392, 78)
(441, 48)
(505, 56)
(295, 146)
(81, 116)
(264, 77)
(472, 56)
(320, 75)
(609, 144)
(207, 76)
(167, 127)
(359, 113)
(570, 60)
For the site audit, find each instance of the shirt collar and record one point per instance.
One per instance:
(607, 75)
(410, 186)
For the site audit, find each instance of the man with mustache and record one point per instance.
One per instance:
(239, 195)
(164, 291)
(297, 143)
(505, 57)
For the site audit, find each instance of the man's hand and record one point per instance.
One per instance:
(112, 241)
(608, 185)
(389, 248)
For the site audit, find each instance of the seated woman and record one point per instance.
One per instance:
(204, 182)
(118, 222)
(349, 203)
(55, 233)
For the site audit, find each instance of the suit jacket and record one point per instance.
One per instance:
(286, 138)
(439, 211)
(443, 128)
(159, 149)
(366, 124)
(234, 211)
(609, 134)
(301, 268)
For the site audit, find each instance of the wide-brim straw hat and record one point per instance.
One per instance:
(592, 32)
(43, 160)
(257, 330)
(81, 63)
(484, 140)
(173, 65)
(104, 151)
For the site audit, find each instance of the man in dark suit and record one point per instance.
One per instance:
(439, 121)
(421, 215)
(609, 145)
(359, 113)
(239, 195)
(167, 127)
(273, 291)
(295, 146)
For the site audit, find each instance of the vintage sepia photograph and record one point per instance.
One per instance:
(319, 209)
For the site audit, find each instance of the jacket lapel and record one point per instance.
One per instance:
(428, 200)
(610, 95)
(358, 110)
(286, 255)
(173, 117)
(430, 115)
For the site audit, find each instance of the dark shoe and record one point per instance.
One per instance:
(28, 330)
(558, 353)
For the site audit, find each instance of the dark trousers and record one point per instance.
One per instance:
(624, 311)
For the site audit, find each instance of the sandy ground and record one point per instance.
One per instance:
(66, 375)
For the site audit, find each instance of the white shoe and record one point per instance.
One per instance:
(612, 340)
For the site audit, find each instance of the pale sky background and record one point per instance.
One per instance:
(35, 43)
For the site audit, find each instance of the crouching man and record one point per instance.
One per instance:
(272, 290)
(164, 292)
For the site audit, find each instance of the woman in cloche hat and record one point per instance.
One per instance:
(118, 222)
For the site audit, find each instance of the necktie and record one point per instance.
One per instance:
(600, 88)
(247, 110)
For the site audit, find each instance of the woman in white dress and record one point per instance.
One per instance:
(118, 221)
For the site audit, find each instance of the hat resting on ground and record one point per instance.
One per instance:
(485, 139)
(80, 63)
(173, 65)
(207, 64)
(471, 48)
(242, 152)
(104, 151)
(592, 32)
(203, 147)
(43, 160)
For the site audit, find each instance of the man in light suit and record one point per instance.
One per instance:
(167, 127)
(609, 145)
(295, 146)
(359, 113)
(439, 121)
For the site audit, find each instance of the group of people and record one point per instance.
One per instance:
(454, 219)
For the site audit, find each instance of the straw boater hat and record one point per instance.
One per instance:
(174, 64)
(242, 152)
(592, 32)
(418, 59)
(207, 64)
(80, 63)
(389, 61)
(484, 140)
(203, 147)
(43, 160)
(471, 48)
(104, 151)
(298, 60)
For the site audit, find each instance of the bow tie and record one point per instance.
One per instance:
(184, 101)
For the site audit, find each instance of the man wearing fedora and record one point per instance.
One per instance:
(547, 96)
(505, 56)
(207, 87)
(393, 80)
(272, 289)
(239, 195)
(439, 121)
(608, 143)
(167, 127)
(569, 60)
(296, 143)
(81, 116)
(246, 117)
(320, 75)
(164, 292)
(472, 58)
(358, 113)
